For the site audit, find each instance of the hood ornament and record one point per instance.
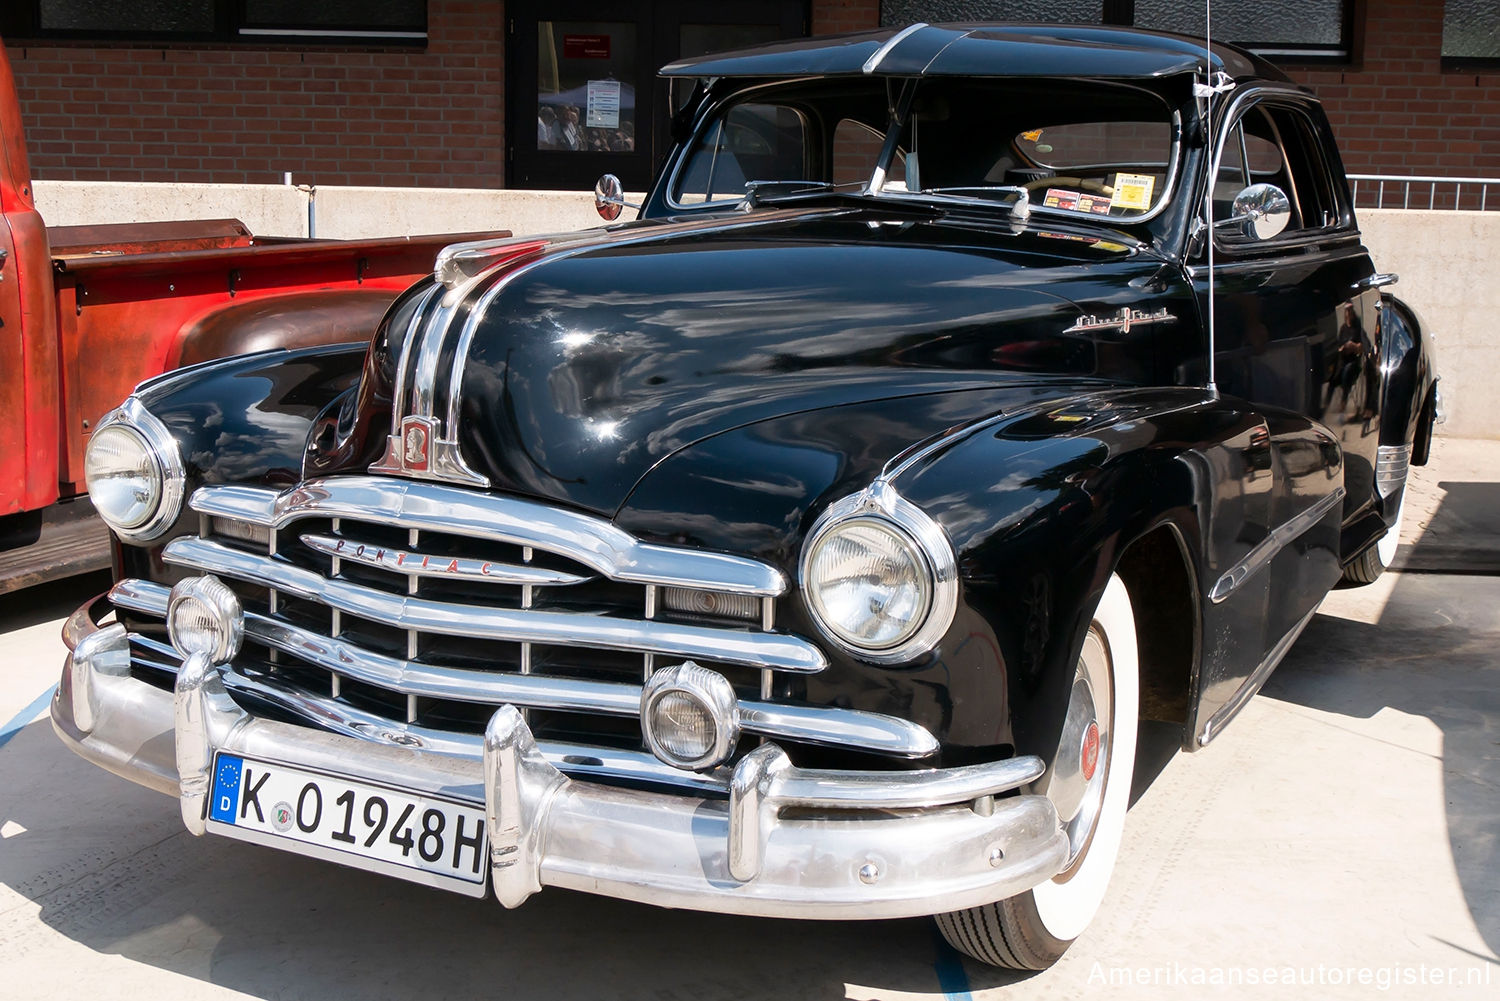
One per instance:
(1121, 321)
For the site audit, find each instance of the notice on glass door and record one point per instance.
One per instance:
(604, 105)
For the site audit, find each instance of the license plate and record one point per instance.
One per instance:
(425, 839)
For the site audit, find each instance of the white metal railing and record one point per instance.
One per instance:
(1440, 192)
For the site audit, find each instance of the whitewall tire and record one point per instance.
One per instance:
(1089, 782)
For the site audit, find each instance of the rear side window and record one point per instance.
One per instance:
(1280, 145)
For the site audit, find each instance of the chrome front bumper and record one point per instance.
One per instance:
(787, 842)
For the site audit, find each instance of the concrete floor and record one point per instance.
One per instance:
(1339, 841)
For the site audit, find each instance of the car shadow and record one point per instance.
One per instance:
(44, 602)
(108, 865)
(1430, 654)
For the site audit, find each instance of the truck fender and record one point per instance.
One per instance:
(298, 319)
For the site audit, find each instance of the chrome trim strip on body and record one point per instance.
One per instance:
(813, 724)
(1272, 544)
(592, 541)
(1392, 462)
(398, 391)
(416, 564)
(776, 651)
(1251, 685)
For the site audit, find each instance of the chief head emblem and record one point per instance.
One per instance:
(414, 435)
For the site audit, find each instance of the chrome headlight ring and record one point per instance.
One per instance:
(886, 509)
(167, 458)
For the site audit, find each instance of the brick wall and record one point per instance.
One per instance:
(245, 114)
(435, 117)
(829, 17)
(1399, 113)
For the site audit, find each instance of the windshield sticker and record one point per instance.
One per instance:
(1076, 201)
(1133, 191)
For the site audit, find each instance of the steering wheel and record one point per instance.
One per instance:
(1083, 183)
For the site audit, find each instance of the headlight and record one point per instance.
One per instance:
(880, 576)
(134, 473)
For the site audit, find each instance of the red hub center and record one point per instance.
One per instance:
(1089, 756)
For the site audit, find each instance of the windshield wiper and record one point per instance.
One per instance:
(1017, 198)
(761, 192)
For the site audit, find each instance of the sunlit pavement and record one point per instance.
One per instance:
(1339, 841)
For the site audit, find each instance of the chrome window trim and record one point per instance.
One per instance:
(1297, 100)
(766, 650)
(165, 451)
(829, 725)
(1169, 184)
(592, 541)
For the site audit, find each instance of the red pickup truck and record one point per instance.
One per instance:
(88, 312)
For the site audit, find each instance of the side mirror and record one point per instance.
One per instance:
(609, 198)
(1262, 210)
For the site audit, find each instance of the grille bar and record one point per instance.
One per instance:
(417, 564)
(778, 652)
(592, 541)
(812, 724)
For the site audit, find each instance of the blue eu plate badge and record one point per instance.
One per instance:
(226, 794)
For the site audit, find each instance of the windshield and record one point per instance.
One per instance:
(1084, 149)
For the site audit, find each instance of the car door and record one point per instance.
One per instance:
(1296, 336)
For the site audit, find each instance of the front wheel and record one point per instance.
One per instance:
(1089, 783)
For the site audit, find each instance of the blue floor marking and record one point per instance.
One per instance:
(949, 967)
(25, 716)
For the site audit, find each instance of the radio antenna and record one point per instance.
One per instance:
(1208, 189)
(1211, 85)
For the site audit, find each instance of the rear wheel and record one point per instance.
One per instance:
(1377, 559)
(1089, 783)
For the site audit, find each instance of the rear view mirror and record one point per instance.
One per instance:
(1261, 210)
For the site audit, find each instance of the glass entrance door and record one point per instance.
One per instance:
(584, 99)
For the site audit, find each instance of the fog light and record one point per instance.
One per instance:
(690, 716)
(204, 618)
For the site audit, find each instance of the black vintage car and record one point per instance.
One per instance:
(810, 546)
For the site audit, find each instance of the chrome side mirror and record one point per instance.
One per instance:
(1262, 210)
(609, 198)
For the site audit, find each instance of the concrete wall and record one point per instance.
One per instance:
(340, 213)
(1446, 260)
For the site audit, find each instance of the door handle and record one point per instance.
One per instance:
(1376, 280)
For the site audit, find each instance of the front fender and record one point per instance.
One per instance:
(241, 420)
(1042, 505)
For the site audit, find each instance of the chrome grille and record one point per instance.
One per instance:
(413, 609)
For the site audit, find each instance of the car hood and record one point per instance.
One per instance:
(581, 368)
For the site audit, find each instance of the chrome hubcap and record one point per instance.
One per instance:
(1075, 783)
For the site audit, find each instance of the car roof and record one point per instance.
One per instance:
(998, 49)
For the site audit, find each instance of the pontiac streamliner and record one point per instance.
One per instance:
(810, 546)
